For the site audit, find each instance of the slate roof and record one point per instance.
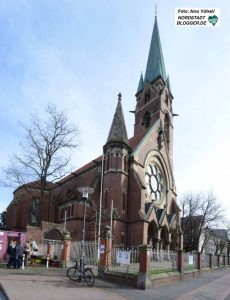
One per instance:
(155, 64)
(118, 132)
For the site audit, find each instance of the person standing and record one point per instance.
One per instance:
(11, 251)
(19, 254)
(27, 250)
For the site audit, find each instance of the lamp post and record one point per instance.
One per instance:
(85, 193)
(65, 219)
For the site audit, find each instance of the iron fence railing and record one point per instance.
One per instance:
(190, 261)
(164, 260)
(124, 260)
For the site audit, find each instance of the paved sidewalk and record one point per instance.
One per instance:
(48, 284)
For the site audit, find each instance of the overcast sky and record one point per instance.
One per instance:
(80, 54)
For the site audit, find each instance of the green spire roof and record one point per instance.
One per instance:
(141, 84)
(155, 65)
(118, 131)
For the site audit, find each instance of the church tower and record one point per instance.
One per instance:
(153, 97)
(153, 214)
(115, 183)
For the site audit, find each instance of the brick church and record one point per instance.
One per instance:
(134, 176)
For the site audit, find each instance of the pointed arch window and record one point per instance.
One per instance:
(106, 199)
(124, 201)
(166, 99)
(147, 96)
(116, 160)
(108, 161)
(125, 163)
(166, 129)
(147, 119)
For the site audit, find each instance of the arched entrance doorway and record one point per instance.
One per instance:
(164, 241)
(153, 235)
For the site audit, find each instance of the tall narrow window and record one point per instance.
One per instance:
(62, 213)
(108, 160)
(166, 129)
(124, 201)
(116, 160)
(125, 163)
(72, 210)
(34, 211)
(146, 119)
(122, 238)
(147, 96)
(106, 199)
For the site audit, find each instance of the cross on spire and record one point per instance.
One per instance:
(119, 96)
(155, 10)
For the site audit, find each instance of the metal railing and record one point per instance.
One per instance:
(90, 253)
(124, 260)
(164, 260)
(204, 260)
(190, 261)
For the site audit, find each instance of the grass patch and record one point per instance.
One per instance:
(160, 271)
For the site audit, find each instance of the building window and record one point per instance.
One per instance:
(147, 119)
(72, 210)
(116, 160)
(34, 211)
(124, 201)
(122, 238)
(166, 99)
(106, 199)
(108, 158)
(125, 164)
(147, 96)
(166, 129)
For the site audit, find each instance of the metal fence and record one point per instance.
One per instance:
(204, 261)
(124, 260)
(164, 260)
(90, 253)
(56, 247)
(190, 261)
(221, 260)
(215, 261)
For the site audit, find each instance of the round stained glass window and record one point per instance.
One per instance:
(154, 182)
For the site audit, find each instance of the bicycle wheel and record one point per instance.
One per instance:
(73, 274)
(88, 276)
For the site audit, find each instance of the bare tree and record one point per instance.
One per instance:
(45, 151)
(3, 220)
(200, 212)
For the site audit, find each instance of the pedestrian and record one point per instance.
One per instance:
(27, 251)
(11, 251)
(19, 254)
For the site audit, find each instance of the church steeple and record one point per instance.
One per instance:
(154, 97)
(141, 84)
(118, 131)
(155, 64)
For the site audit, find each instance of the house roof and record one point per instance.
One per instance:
(36, 185)
(223, 233)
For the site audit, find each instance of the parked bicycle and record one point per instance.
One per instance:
(76, 274)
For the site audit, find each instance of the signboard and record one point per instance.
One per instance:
(123, 257)
(102, 249)
(190, 259)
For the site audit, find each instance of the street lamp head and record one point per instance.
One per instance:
(85, 190)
